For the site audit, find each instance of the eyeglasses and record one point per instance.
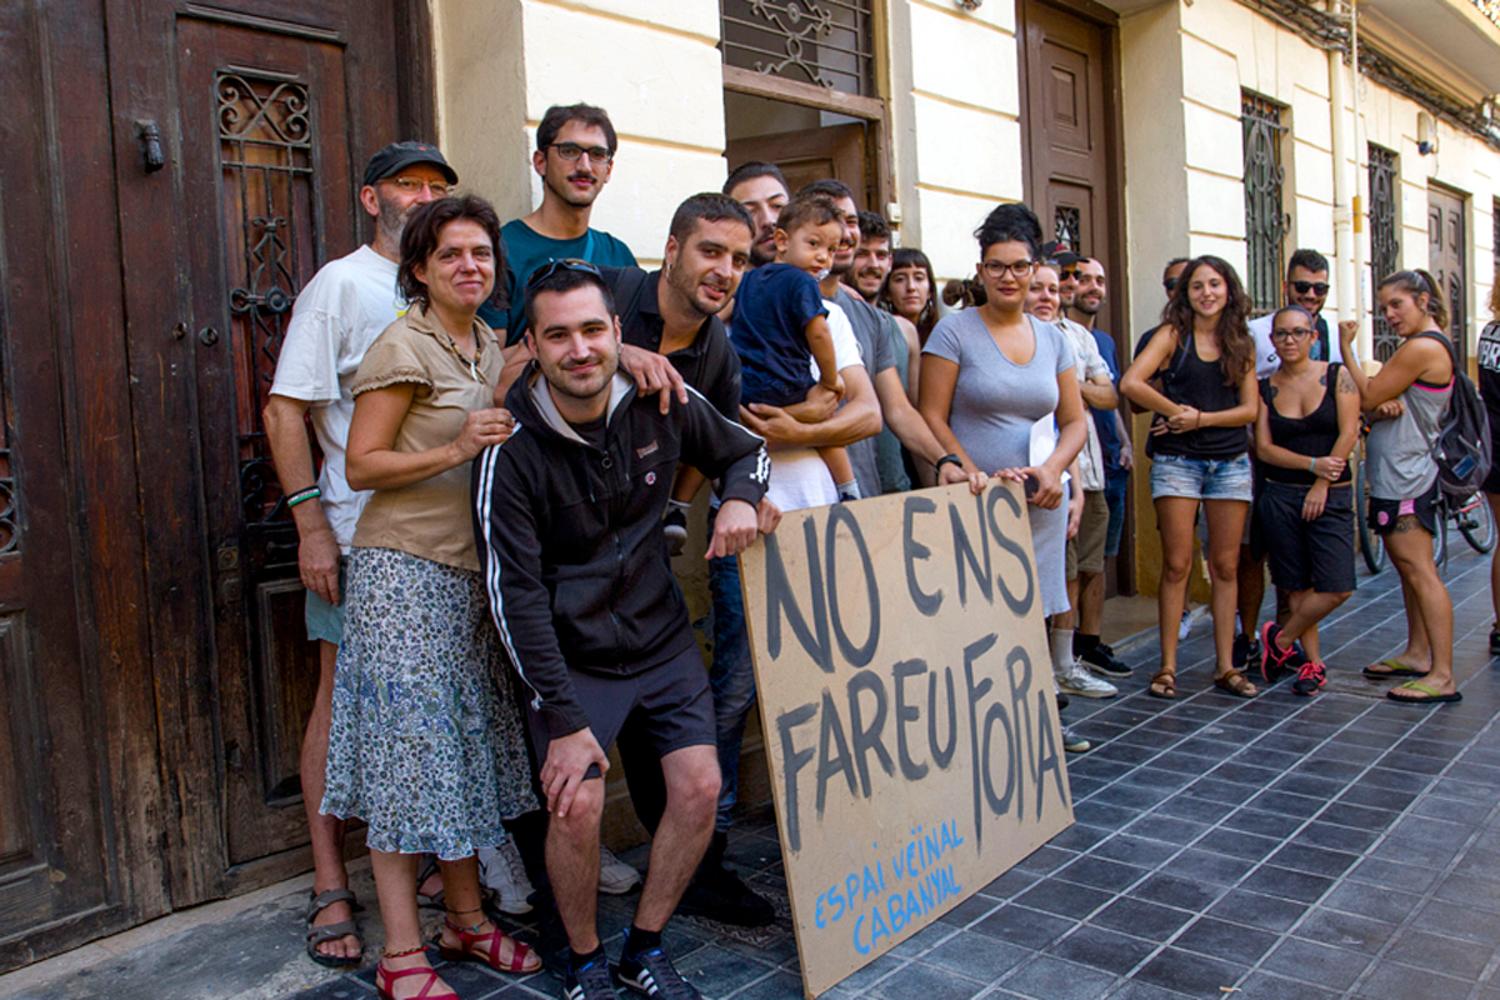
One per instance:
(411, 185)
(998, 269)
(1316, 287)
(1170, 284)
(571, 152)
(550, 268)
(1294, 333)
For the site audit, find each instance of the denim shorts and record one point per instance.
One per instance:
(1201, 478)
(324, 621)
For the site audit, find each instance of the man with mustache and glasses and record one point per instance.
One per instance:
(338, 315)
(575, 155)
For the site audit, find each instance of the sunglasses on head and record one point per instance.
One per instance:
(550, 268)
(1316, 287)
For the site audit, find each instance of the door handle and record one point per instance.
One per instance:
(148, 134)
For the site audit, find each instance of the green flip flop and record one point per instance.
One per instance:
(1430, 694)
(1393, 668)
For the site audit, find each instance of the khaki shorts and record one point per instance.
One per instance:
(1086, 549)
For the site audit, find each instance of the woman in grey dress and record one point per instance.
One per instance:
(1403, 476)
(989, 373)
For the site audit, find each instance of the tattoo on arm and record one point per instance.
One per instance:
(1346, 381)
(1323, 378)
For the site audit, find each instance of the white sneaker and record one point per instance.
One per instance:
(616, 878)
(1076, 680)
(1185, 626)
(500, 868)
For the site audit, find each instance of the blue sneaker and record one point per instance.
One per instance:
(591, 982)
(651, 974)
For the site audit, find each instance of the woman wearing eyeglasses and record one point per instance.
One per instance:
(1307, 425)
(1204, 362)
(990, 372)
(1403, 477)
(426, 742)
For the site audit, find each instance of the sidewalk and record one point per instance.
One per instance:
(1284, 847)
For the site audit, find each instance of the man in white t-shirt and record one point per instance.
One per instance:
(338, 314)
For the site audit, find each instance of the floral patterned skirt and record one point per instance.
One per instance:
(426, 744)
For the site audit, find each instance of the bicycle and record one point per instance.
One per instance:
(1371, 545)
(1473, 519)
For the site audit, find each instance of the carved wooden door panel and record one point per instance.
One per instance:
(812, 154)
(268, 116)
(1447, 258)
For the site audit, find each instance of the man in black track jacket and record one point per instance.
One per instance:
(568, 516)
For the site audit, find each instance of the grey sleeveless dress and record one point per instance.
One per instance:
(1401, 465)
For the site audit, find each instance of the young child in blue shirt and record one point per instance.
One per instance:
(780, 324)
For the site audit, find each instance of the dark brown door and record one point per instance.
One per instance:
(267, 115)
(1072, 156)
(807, 155)
(1447, 259)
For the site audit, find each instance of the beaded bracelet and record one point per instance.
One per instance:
(302, 496)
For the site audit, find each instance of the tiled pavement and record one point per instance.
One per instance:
(1284, 847)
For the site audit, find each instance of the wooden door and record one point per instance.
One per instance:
(807, 155)
(267, 117)
(1447, 258)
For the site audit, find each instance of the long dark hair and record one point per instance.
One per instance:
(903, 257)
(1419, 282)
(420, 238)
(1236, 347)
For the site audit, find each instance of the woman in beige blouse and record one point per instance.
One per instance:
(426, 743)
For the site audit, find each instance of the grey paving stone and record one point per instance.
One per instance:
(1208, 866)
(1471, 890)
(1270, 913)
(1390, 980)
(1182, 893)
(1317, 860)
(1145, 919)
(1215, 938)
(1375, 902)
(1266, 824)
(1393, 874)
(1100, 873)
(1331, 968)
(1195, 975)
(1168, 829)
(717, 971)
(1265, 986)
(1136, 990)
(1284, 882)
(780, 985)
(1438, 953)
(928, 982)
(1021, 926)
(1335, 837)
(1066, 899)
(977, 956)
(1012, 883)
(1128, 848)
(1103, 949)
(1055, 979)
(1351, 932)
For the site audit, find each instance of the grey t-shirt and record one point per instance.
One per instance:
(875, 351)
(995, 400)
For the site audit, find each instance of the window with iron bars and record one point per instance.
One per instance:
(1266, 222)
(1385, 249)
(826, 43)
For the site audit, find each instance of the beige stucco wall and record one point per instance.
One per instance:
(654, 66)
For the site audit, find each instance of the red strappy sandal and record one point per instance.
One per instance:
(522, 958)
(385, 977)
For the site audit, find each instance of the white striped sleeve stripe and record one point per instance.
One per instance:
(482, 504)
(762, 473)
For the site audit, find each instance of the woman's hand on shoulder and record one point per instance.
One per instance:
(481, 429)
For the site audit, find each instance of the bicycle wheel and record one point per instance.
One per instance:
(1440, 540)
(1371, 546)
(1477, 523)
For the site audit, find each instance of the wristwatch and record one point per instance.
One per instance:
(946, 459)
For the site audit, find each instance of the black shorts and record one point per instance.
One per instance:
(1308, 555)
(670, 705)
(1385, 513)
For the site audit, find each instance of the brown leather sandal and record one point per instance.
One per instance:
(1164, 684)
(1236, 683)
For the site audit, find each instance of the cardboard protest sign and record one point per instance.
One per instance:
(906, 694)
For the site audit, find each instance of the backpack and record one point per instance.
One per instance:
(1462, 449)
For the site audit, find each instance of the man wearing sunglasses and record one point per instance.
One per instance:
(1306, 285)
(575, 155)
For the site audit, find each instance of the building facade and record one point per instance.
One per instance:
(183, 168)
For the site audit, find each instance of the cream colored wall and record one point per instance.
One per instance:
(653, 66)
(955, 117)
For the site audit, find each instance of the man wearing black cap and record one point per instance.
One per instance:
(338, 314)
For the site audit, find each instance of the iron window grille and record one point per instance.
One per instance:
(1385, 249)
(1266, 222)
(827, 43)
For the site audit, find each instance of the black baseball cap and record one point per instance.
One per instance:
(1062, 253)
(400, 155)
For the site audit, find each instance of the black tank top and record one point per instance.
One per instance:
(1312, 435)
(1191, 381)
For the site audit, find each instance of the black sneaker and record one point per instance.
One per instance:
(674, 527)
(1245, 651)
(591, 982)
(650, 973)
(1275, 661)
(1102, 660)
(1495, 639)
(719, 894)
(1311, 677)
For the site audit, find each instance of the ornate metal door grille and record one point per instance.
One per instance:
(1265, 220)
(828, 43)
(1385, 250)
(1067, 226)
(266, 155)
(10, 522)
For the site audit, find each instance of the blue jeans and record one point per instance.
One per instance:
(1116, 485)
(731, 677)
